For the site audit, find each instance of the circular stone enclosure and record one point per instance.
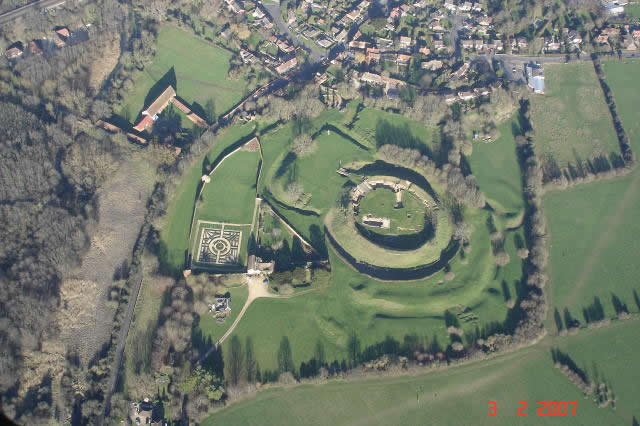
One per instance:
(399, 220)
(391, 223)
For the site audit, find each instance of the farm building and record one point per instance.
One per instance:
(535, 78)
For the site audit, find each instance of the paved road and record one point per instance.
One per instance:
(38, 5)
(274, 11)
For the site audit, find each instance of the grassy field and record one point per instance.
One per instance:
(594, 244)
(375, 309)
(460, 395)
(369, 118)
(633, 10)
(571, 119)
(495, 165)
(236, 176)
(406, 220)
(215, 330)
(174, 234)
(198, 69)
(317, 171)
(622, 77)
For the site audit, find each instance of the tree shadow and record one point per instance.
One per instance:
(619, 306)
(168, 79)
(636, 298)
(505, 291)
(402, 136)
(569, 320)
(518, 241)
(594, 312)
(558, 320)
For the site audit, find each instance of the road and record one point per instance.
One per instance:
(274, 11)
(38, 5)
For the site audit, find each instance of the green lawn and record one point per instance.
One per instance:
(174, 233)
(622, 77)
(460, 395)
(495, 165)
(594, 242)
(197, 68)
(571, 120)
(375, 309)
(633, 10)
(230, 196)
(317, 171)
(406, 220)
(369, 119)
(215, 330)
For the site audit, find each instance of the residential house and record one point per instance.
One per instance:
(431, 65)
(465, 7)
(461, 72)
(467, 96)
(342, 36)
(405, 42)
(403, 59)
(324, 42)
(574, 37)
(467, 44)
(13, 52)
(61, 37)
(629, 44)
(320, 78)
(34, 47)
(450, 6)
(405, 10)
(145, 413)
(551, 45)
(373, 55)
(358, 45)
(425, 51)
(438, 45)
(258, 13)
(287, 66)
(485, 21)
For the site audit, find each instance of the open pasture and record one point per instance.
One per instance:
(460, 395)
(622, 78)
(197, 69)
(594, 244)
(571, 120)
